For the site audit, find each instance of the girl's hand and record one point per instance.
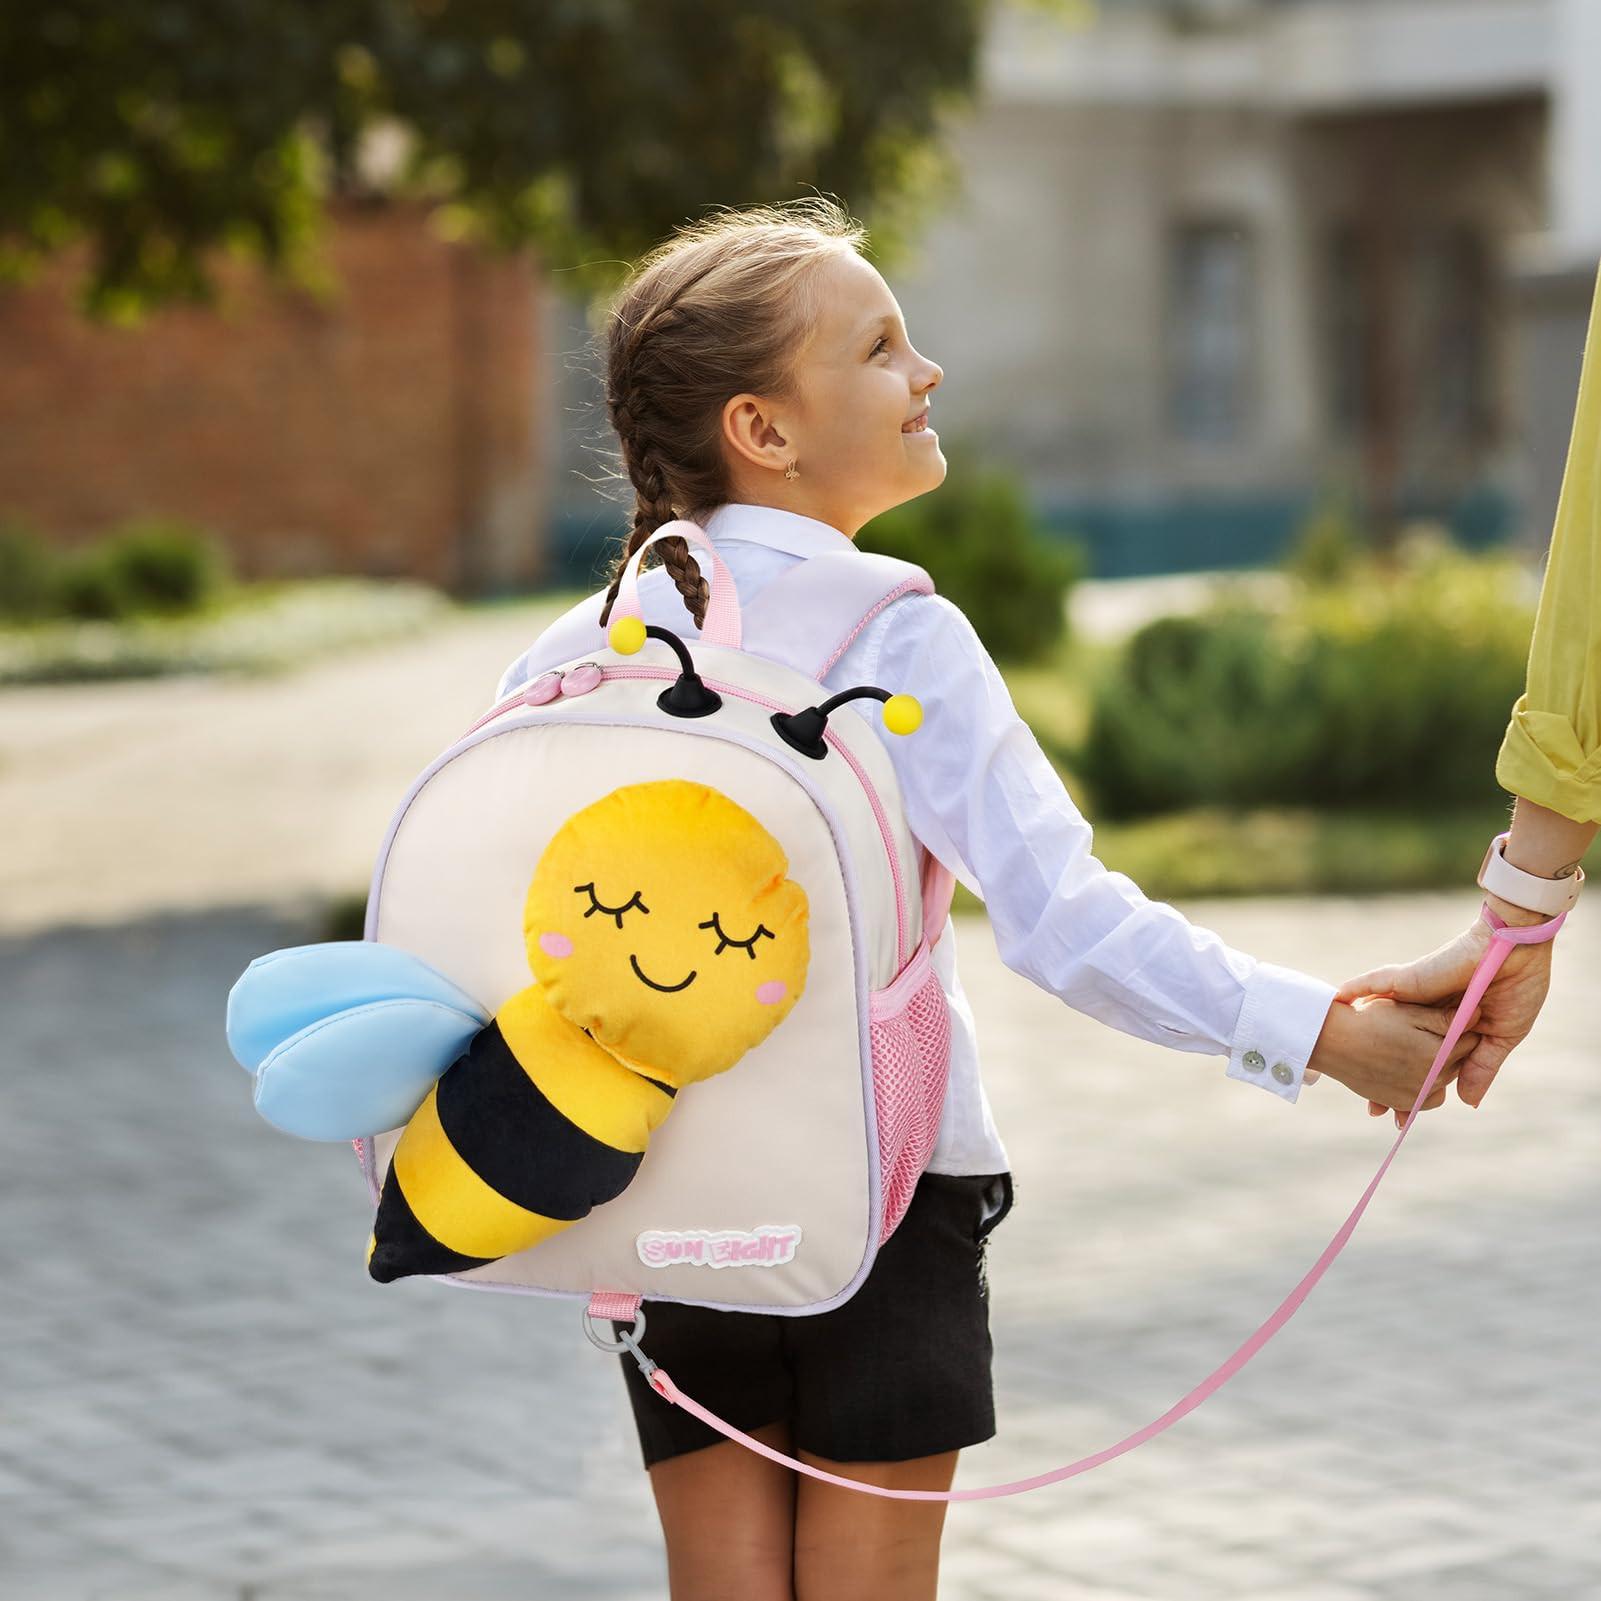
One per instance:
(1506, 1012)
(1382, 1049)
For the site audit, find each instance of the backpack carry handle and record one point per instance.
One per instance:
(722, 624)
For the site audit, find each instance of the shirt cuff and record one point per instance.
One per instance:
(1281, 1019)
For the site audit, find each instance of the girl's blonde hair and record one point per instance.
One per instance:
(725, 305)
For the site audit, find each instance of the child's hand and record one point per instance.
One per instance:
(1382, 1050)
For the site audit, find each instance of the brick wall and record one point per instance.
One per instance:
(397, 428)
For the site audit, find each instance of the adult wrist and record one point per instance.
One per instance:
(1527, 892)
(1517, 916)
(1544, 842)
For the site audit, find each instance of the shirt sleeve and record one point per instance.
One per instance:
(513, 678)
(983, 797)
(1552, 750)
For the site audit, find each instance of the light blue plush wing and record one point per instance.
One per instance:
(346, 1038)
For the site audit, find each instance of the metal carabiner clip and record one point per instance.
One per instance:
(626, 1341)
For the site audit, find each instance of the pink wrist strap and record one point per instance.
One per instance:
(1501, 943)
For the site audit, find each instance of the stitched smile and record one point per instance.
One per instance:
(667, 988)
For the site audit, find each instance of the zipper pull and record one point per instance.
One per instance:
(546, 687)
(581, 678)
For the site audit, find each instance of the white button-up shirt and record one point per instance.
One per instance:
(983, 797)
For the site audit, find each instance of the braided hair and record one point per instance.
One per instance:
(723, 306)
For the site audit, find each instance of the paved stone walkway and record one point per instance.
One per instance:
(202, 1396)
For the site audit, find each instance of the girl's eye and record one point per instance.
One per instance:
(610, 911)
(876, 348)
(746, 945)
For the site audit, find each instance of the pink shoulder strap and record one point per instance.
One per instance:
(809, 614)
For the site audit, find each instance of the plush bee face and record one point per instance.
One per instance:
(661, 920)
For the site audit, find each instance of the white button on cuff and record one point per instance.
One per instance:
(1254, 1062)
(1284, 1073)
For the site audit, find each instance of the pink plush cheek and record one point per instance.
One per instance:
(555, 944)
(772, 992)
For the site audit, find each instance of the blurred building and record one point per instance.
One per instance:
(394, 428)
(1215, 260)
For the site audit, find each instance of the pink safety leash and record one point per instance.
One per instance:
(1500, 948)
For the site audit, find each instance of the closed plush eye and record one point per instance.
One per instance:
(611, 911)
(746, 945)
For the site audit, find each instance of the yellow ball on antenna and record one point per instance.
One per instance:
(902, 714)
(626, 635)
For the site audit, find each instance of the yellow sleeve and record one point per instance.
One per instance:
(1552, 750)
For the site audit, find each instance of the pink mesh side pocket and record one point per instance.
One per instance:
(911, 1034)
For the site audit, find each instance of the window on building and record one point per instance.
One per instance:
(1345, 326)
(1211, 348)
(1451, 284)
(1432, 298)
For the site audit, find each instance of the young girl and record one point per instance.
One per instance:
(762, 383)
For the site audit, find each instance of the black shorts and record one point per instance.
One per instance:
(900, 1370)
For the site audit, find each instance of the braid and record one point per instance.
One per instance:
(687, 575)
(653, 507)
(723, 306)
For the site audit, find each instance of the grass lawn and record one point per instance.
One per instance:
(256, 627)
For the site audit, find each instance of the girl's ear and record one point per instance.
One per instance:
(748, 428)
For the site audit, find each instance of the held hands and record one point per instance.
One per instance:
(1382, 1049)
(1505, 1014)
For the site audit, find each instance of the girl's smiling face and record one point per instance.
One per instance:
(859, 381)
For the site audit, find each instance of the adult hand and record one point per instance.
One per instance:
(1506, 1012)
(1383, 1049)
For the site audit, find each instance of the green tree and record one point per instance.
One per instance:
(162, 132)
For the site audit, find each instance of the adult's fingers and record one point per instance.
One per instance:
(1378, 981)
(1419, 982)
(1438, 1019)
(1478, 1072)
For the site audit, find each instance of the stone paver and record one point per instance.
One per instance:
(202, 1396)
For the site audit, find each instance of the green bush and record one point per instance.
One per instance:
(1330, 545)
(978, 540)
(255, 628)
(1391, 688)
(90, 586)
(27, 574)
(149, 566)
(165, 567)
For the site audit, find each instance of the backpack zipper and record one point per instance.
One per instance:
(884, 831)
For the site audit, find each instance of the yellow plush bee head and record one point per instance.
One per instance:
(660, 919)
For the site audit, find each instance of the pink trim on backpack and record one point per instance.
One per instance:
(921, 585)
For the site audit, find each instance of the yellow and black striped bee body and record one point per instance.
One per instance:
(527, 1131)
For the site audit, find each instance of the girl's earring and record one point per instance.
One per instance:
(792, 471)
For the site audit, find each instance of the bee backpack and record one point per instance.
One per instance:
(645, 1007)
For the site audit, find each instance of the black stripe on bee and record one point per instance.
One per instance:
(404, 1246)
(510, 1135)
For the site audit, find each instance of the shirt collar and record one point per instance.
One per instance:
(782, 530)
